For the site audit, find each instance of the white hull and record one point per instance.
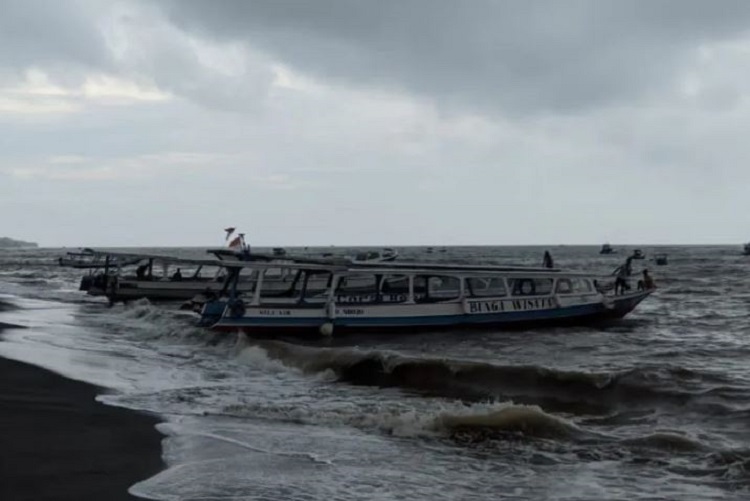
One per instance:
(412, 297)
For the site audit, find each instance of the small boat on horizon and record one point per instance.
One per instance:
(385, 255)
(638, 254)
(89, 259)
(607, 249)
(746, 249)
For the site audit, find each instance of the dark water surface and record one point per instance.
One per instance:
(655, 407)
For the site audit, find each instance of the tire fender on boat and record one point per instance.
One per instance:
(326, 329)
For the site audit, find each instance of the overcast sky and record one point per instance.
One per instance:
(374, 122)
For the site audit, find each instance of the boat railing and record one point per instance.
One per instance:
(418, 289)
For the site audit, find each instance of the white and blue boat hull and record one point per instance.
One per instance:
(496, 313)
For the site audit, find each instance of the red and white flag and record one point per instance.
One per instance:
(236, 243)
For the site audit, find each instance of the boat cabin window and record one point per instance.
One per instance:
(394, 288)
(282, 283)
(367, 256)
(197, 273)
(581, 285)
(564, 286)
(434, 288)
(573, 286)
(275, 273)
(357, 288)
(486, 287)
(247, 280)
(317, 286)
(530, 286)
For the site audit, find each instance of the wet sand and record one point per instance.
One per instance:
(58, 443)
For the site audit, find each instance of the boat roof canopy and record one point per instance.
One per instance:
(262, 264)
(345, 266)
(159, 257)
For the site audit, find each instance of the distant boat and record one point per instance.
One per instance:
(154, 281)
(371, 257)
(606, 249)
(746, 249)
(638, 254)
(88, 259)
(279, 251)
(661, 259)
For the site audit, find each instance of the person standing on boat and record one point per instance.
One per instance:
(621, 282)
(647, 283)
(177, 275)
(547, 261)
(626, 269)
(629, 265)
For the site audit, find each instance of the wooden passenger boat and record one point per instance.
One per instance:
(323, 299)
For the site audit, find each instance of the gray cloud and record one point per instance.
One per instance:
(570, 122)
(513, 56)
(62, 37)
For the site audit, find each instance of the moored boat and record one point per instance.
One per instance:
(156, 278)
(409, 297)
(661, 259)
(606, 249)
(90, 259)
(169, 278)
(371, 257)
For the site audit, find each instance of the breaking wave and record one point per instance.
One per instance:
(148, 322)
(554, 389)
(449, 419)
(526, 420)
(667, 441)
(7, 305)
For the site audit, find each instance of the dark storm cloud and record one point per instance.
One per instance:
(518, 56)
(50, 34)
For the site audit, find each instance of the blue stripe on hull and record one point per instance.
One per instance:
(547, 317)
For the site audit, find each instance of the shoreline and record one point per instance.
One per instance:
(57, 442)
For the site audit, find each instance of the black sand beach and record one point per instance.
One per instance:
(58, 443)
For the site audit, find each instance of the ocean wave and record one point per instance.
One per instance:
(450, 420)
(525, 420)
(6, 305)
(556, 389)
(147, 322)
(726, 469)
(667, 441)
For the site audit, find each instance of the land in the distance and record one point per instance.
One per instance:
(9, 243)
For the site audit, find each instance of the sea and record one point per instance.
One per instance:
(653, 407)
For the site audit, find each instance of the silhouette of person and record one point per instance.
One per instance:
(647, 283)
(621, 284)
(547, 261)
